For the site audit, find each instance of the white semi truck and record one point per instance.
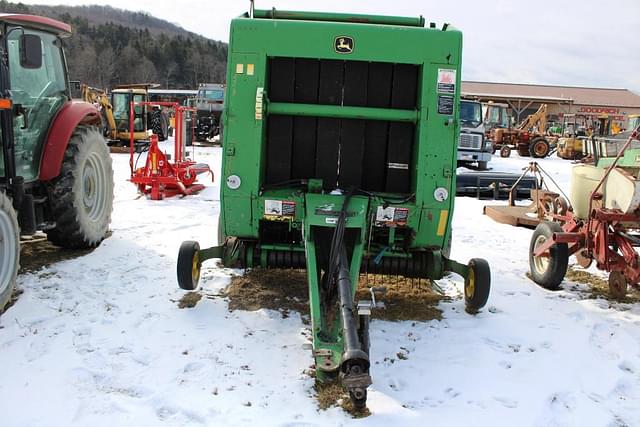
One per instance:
(473, 147)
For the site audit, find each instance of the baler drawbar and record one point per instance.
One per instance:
(339, 155)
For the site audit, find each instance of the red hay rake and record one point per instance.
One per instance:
(160, 178)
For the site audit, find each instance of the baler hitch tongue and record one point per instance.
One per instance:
(354, 369)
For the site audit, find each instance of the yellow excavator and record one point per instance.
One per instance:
(115, 113)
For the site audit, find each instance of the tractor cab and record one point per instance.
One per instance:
(35, 79)
(145, 117)
(496, 116)
(121, 99)
(633, 121)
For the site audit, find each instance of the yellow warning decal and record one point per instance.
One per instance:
(442, 224)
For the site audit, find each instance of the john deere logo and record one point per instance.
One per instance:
(344, 44)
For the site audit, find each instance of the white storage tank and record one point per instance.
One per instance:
(584, 179)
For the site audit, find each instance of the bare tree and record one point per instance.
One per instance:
(106, 67)
(169, 72)
(145, 71)
(83, 64)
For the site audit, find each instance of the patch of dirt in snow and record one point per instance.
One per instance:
(599, 286)
(40, 253)
(287, 290)
(405, 299)
(282, 290)
(189, 300)
(333, 394)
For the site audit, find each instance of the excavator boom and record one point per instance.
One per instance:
(99, 96)
(537, 120)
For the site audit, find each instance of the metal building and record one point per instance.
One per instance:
(524, 99)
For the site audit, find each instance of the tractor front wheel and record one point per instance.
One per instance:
(505, 151)
(189, 265)
(548, 270)
(81, 197)
(9, 249)
(477, 285)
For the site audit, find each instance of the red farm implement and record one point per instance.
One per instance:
(160, 178)
(603, 224)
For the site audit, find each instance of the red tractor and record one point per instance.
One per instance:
(55, 167)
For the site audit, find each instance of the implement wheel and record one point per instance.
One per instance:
(548, 271)
(505, 151)
(539, 148)
(477, 285)
(189, 265)
(617, 285)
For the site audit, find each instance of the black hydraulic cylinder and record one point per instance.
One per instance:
(350, 332)
(352, 349)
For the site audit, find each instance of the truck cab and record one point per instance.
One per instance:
(473, 147)
(208, 103)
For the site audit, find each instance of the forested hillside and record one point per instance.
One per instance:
(112, 46)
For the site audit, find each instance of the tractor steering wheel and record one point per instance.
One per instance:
(36, 107)
(42, 93)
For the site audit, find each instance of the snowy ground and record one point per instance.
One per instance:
(99, 340)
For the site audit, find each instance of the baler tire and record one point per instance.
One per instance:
(539, 148)
(81, 197)
(188, 265)
(505, 151)
(477, 285)
(550, 273)
(9, 249)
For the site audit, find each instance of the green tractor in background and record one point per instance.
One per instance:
(55, 168)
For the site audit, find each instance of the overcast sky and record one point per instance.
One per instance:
(561, 42)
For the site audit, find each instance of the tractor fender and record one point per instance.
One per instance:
(72, 114)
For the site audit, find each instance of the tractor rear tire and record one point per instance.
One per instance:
(539, 148)
(548, 272)
(477, 285)
(9, 249)
(81, 197)
(188, 265)
(160, 124)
